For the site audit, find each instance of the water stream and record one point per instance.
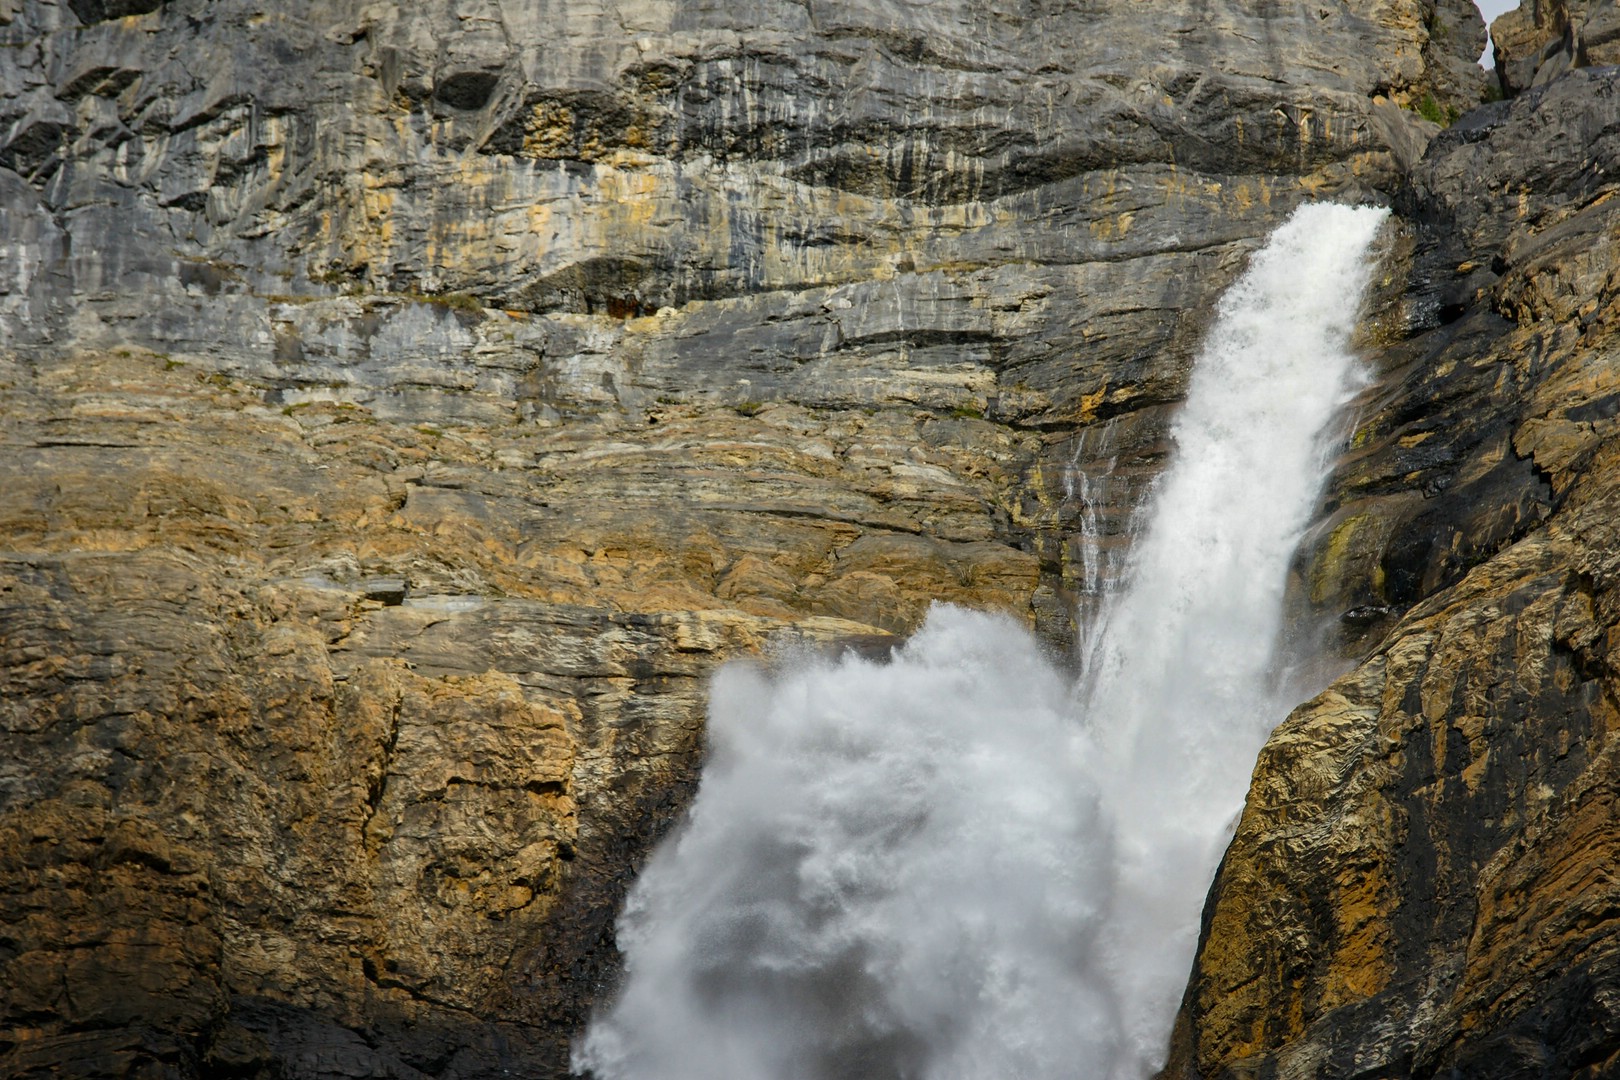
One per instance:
(963, 864)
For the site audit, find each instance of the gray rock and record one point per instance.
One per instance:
(636, 337)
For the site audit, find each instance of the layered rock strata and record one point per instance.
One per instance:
(405, 408)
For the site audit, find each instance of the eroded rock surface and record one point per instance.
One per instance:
(406, 407)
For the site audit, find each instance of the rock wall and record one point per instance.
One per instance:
(406, 407)
(1421, 884)
(1541, 39)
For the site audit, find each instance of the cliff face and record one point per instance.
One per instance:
(406, 407)
(1541, 39)
(1421, 884)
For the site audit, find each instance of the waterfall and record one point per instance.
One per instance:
(1097, 556)
(961, 865)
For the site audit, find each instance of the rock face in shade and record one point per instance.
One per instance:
(406, 407)
(1421, 884)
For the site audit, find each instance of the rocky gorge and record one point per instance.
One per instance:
(405, 409)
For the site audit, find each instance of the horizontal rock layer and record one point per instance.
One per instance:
(410, 405)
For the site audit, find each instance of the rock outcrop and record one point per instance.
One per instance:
(405, 408)
(1421, 884)
(1541, 39)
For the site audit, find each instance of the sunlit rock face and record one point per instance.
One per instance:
(1541, 39)
(405, 407)
(1420, 885)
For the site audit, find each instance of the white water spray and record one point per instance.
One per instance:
(957, 866)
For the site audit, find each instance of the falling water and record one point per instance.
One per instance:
(959, 865)
(1098, 555)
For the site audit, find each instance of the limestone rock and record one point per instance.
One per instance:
(406, 407)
